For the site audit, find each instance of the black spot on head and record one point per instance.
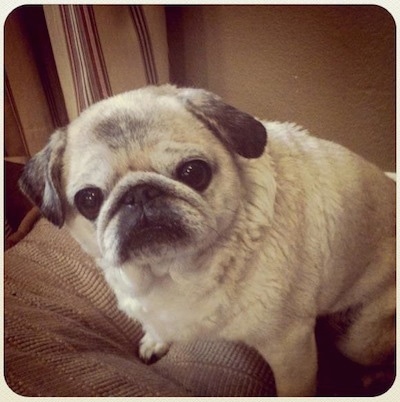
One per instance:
(119, 130)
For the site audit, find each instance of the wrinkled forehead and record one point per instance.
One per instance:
(123, 121)
(115, 137)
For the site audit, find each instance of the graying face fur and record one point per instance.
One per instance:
(148, 173)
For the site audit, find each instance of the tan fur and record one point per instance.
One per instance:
(307, 229)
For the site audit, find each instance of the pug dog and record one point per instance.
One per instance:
(203, 228)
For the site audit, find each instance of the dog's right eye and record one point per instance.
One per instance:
(88, 202)
(195, 173)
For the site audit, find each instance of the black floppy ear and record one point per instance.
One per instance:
(41, 179)
(239, 131)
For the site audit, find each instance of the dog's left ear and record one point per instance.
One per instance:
(41, 179)
(239, 131)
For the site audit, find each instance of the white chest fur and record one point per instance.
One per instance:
(168, 300)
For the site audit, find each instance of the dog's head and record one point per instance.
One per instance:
(146, 174)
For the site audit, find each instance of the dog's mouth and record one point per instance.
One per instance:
(149, 230)
(152, 233)
(153, 221)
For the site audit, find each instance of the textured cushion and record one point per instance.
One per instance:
(64, 335)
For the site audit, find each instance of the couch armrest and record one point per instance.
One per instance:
(64, 335)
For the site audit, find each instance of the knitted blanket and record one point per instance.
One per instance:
(64, 335)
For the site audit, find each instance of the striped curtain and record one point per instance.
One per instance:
(59, 59)
(86, 58)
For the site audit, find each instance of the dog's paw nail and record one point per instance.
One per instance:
(151, 350)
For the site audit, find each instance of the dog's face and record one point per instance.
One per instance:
(148, 174)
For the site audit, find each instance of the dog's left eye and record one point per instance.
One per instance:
(195, 173)
(88, 201)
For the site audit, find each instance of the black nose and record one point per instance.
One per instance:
(141, 194)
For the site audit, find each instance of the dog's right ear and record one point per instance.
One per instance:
(41, 179)
(238, 131)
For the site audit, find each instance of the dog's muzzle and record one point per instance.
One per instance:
(147, 220)
(137, 204)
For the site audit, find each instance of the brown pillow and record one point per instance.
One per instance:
(64, 335)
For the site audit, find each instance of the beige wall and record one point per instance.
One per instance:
(330, 69)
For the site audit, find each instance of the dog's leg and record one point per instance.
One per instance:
(151, 350)
(370, 338)
(370, 342)
(293, 359)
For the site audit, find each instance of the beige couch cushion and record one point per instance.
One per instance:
(64, 335)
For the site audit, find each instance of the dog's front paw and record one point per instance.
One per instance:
(151, 350)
